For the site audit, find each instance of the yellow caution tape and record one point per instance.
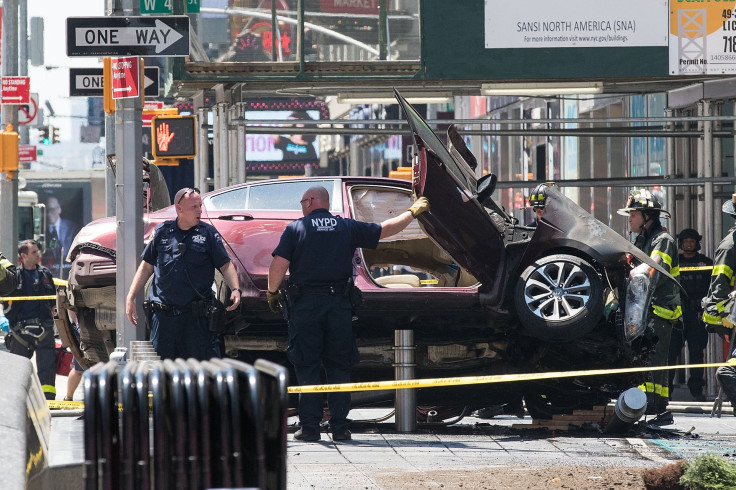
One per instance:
(438, 382)
(64, 405)
(470, 380)
(697, 268)
(26, 298)
(57, 282)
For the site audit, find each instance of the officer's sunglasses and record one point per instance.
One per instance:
(188, 191)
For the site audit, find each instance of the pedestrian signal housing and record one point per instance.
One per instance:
(173, 136)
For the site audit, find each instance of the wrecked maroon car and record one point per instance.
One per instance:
(482, 294)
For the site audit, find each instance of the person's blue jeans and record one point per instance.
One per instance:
(321, 336)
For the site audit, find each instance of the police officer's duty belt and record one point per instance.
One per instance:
(335, 289)
(194, 307)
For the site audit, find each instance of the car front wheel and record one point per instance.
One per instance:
(559, 298)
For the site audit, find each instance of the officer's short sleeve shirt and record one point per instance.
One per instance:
(184, 262)
(320, 247)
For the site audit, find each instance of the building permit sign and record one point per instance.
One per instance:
(575, 24)
(702, 38)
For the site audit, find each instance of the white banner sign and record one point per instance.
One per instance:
(575, 23)
(702, 38)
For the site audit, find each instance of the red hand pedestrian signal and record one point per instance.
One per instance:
(173, 137)
(163, 137)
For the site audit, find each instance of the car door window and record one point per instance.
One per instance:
(231, 199)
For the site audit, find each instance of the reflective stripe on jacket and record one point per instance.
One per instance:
(661, 247)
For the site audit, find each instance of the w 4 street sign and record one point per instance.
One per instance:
(128, 36)
(165, 7)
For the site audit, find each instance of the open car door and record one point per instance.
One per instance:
(456, 220)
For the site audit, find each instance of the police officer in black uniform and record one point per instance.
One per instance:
(695, 282)
(318, 252)
(32, 322)
(182, 256)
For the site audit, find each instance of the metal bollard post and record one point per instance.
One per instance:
(629, 408)
(404, 363)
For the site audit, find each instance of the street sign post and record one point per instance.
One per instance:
(16, 90)
(128, 36)
(125, 78)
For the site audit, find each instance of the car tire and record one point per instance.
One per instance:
(559, 298)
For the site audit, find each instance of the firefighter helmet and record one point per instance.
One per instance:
(729, 207)
(644, 201)
(689, 233)
(538, 198)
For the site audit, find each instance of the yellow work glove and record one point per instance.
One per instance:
(420, 205)
(274, 301)
(726, 322)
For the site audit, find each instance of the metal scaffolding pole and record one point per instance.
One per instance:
(201, 162)
(707, 203)
(671, 170)
(717, 189)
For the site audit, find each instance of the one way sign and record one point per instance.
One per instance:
(128, 36)
(87, 82)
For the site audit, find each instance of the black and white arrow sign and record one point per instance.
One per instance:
(87, 82)
(128, 36)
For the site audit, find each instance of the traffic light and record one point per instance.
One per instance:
(9, 150)
(173, 136)
(43, 136)
(54, 135)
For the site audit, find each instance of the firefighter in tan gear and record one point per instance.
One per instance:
(644, 210)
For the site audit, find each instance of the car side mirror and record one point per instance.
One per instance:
(486, 186)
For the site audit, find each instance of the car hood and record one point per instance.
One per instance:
(474, 237)
(565, 224)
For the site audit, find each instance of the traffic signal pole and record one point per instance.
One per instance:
(9, 180)
(129, 205)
